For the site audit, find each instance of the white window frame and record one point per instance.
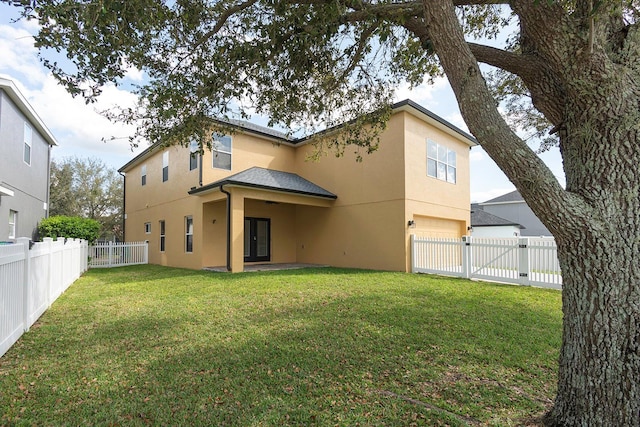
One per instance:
(194, 154)
(215, 150)
(13, 222)
(143, 175)
(188, 233)
(165, 166)
(163, 235)
(147, 228)
(445, 161)
(28, 142)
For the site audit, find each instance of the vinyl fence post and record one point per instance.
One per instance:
(48, 241)
(412, 239)
(24, 241)
(146, 252)
(110, 254)
(523, 261)
(466, 257)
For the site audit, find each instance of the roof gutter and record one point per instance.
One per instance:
(228, 226)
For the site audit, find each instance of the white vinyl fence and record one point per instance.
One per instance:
(112, 254)
(31, 279)
(518, 260)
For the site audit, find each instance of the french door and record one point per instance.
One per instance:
(257, 239)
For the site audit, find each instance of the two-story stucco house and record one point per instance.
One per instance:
(256, 198)
(25, 144)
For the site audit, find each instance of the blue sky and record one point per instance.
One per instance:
(79, 128)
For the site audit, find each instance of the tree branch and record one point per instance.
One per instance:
(524, 168)
(547, 93)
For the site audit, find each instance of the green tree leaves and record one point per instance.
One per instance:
(88, 188)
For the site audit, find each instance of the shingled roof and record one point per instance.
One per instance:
(480, 218)
(514, 196)
(269, 179)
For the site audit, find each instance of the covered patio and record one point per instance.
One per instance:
(258, 209)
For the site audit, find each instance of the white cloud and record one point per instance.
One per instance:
(19, 55)
(425, 94)
(77, 126)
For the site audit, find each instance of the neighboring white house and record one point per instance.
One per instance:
(484, 224)
(25, 144)
(514, 209)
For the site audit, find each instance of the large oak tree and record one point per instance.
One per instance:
(304, 62)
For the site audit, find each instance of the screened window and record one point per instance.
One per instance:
(162, 236)
(165, 166)
(221, 151)
(143, 174)
(28, 138)
(13, 220)
(147, 228)
(194, 152)
(441, 162)
(188, 234)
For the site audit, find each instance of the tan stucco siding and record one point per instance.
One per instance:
(249, 150)
(378, 177)
(168, 201)
(423, 188)
(173, 213)
(364, 228)
(366, 235)
(156, 192)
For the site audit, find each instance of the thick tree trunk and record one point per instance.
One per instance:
(599, 372)
(596, 219)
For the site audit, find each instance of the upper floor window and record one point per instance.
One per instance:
(28, 137)
(165, 166)
(143, 174)
(441, 162)
(221, 151)
(194, 151)
(13, 220)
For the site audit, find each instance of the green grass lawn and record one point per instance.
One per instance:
(162, 346)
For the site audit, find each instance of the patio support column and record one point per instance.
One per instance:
(237, 231)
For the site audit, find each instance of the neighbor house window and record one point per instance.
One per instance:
(13, 220)
(165, 166)
(194, 151)
(188, 234)
(221, 151)
(162, 236)
(143, 174)
(147, 228)
(441, 162)
(28, 137)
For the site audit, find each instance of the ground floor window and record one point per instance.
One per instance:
(162, 236)
(189, 234)
(13, 220)
(257, 239)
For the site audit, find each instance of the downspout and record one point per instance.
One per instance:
(124, 202)
(46, 213)
(200, 171)
(228, 226)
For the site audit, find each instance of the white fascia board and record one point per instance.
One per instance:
(6, 192)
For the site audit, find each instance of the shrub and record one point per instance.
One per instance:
(70, 227)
